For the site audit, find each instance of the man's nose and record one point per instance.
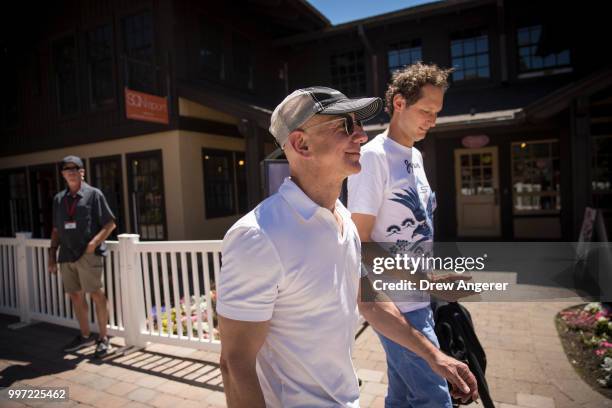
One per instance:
(359, 135)
(432, 120)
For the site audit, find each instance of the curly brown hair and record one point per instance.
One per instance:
(409, 81)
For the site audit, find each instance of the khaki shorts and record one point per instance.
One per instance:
(83, 274)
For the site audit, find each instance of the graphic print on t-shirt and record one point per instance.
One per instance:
(416, 218)
(417, 226)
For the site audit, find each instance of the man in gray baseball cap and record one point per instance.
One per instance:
(288, 286)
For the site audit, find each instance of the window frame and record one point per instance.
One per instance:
(55, 75)
(596, 193)
(126, 59)
(398, 46)
(475, 35)
(119, 216)
(158, 154)
(11, 105)
(112, 102)
(359, 55)
(206, 71)
(251, 56)
(239, 199)
(8, 196)
(555, 193)
(544, 70)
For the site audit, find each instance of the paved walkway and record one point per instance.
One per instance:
(526, 366)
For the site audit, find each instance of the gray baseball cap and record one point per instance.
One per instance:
(304, 103)
(74, 160)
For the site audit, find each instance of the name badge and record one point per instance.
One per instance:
(70, 225)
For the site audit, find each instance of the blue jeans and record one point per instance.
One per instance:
(412, 383)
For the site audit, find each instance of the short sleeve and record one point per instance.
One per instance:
(102, 209)
(249, 277)
(366, 188)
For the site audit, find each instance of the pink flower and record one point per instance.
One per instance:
(600, 352)
(605, 344)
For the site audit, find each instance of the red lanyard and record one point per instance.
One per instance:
(72, 209)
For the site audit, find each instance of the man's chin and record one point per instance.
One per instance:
(420, 136)
(353, 168)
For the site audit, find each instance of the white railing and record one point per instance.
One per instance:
(9, 302)
(157, 291)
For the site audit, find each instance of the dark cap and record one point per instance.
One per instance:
(73, 160)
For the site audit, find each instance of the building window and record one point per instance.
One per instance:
(139, 61)
(10, 87)
(106, 174)
(146, 187)
(14, 208)
(65, 63)
(100, 66)
(601, 172)
(348, 73)
(470, 56)
(402, 54)
(529, 41)
(44, 185)
(224, 183)
(211, 58)
(243, 61)
(477, 174)
(536, 177)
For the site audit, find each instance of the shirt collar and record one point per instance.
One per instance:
(397, 145)
(80, 192)
(297, 199)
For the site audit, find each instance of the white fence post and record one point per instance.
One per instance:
(23, 277)
(132, 294)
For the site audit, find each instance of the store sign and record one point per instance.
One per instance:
(475, 141)
(147, 107)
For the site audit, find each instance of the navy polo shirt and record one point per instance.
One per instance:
(91, 212)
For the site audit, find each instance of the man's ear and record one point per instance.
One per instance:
(299, 143)
(399, 102)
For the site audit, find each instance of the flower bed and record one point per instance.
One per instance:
(586, 333)
(182, 315)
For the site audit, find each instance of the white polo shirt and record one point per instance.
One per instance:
(286, 261)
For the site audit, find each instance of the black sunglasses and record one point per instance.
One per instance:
(349, 124)
(71, 168)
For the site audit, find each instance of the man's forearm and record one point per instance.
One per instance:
(371, 250)
(104, 233)
(54, 244)
(241, 387)
(386, 319)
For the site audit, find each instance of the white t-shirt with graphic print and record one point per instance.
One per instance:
(393, 187)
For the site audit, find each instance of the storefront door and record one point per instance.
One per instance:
(477, 189)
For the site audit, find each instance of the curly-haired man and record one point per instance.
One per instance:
(391, 201)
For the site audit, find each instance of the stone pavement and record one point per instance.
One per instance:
(526, 365)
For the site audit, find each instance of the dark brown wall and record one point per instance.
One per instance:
(40, 125)
(309, 60)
